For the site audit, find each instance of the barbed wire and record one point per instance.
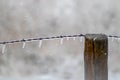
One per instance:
(37, 39)
(47, 38)
(113, 36)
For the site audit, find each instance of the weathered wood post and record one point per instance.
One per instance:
(96, 57)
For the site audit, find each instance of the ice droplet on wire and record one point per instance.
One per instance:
(40, 43)
(23, 46)
(3, 48)
(74, 38)
(118, 39)
(68, 38)
(61, 41)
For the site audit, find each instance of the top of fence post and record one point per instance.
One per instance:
(96, 57)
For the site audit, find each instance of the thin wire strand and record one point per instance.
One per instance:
(37, 39)
(113, 36)
(47, 38)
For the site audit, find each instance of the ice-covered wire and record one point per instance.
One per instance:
(113, 36)
(38, 39)
(47, 38)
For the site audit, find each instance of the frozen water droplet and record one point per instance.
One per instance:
(23, 46)
(109, 38)
(81, 39)
(68, 38)
(3, 48)
(40, 43)
(112, 39)
(74, 38)
(118, 39)
(61, 41)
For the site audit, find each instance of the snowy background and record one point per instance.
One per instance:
(40, 18)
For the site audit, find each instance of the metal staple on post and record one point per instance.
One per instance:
(96, 57)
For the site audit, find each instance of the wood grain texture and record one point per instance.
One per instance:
(96, 57)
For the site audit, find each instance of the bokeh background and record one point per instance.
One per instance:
(41, 18)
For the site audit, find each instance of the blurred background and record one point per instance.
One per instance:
(41, 18)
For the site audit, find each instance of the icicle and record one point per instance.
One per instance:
(40, 43)
(61, 41)
(23, 46)
(81, 39)
(74, 38)
(68, 38)
(118, 39)
(3, 48)
(112, 39)
(109, 38)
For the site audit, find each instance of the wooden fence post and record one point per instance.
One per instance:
(96, 57)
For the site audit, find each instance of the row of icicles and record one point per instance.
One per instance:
(61, 42)
(40, 43)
